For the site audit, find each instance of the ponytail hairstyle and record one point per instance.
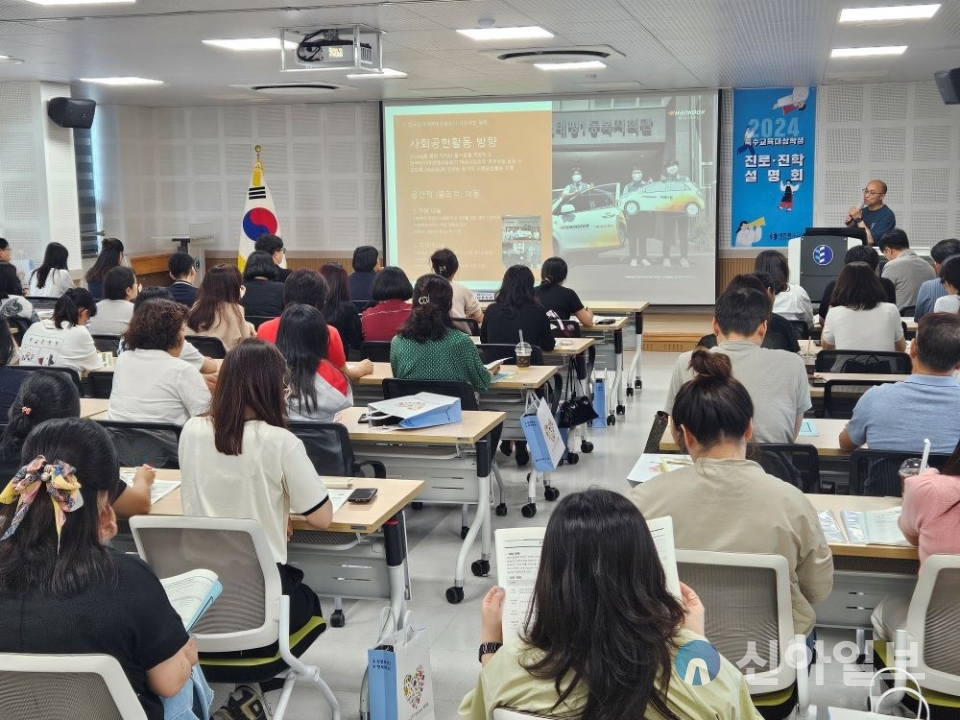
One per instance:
(714, 406)
(445, 263)
(68, 307)
(430, 317)
(553, 271)
(44, 395)
(54, 258)
(111, 253)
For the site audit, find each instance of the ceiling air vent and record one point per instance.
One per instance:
(529, 56)
(295, 88)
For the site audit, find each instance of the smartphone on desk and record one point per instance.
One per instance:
(362, 495)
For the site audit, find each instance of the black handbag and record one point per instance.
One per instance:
(577, 409)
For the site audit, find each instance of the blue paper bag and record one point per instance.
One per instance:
(544, 440)
(600, 402)
(401, 681)
(416, 411)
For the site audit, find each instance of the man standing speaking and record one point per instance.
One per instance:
(873, 216)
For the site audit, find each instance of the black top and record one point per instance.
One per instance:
(361, 285)
(346, 320)
(263, 298)
(562, 300)
(503, 325)
(888, 287)
(284, 274)
(132, 622)
(96, 289)
(183, 292)
(781, 326)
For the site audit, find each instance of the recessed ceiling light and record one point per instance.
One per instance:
(387, 73)
(118, 81)
(81, 2)
(251, 44)
(860, 52)
(10, 60)
(583, 65)
(530, 32)
(892, 12)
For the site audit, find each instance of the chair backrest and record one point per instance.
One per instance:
(394, 388)
(257, 320)
(933, 621)
(74, 375)
(328, 447)
(571, 328)
(659, 426)
(908, 311)
(796, 464)
(776, 341)
(19, 325)
(11, 378)
(155, 444)
(467, 325)
(41, 302)
(62, 687)
(708, 341)
(840, 397)
(750, 621)
(208, 345)
(497, 351)
(876, 472)
(863, 361)
(106, 343)
(246, 615)
(800, 328)
(375, 351)
(505, 714)
(100, 383)
(361, 305)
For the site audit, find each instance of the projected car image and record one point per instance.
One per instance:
(588, 220)
(665, 196)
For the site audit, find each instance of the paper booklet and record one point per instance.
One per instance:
(874, 527)
(518, 559)
(338, 498)
(831, 529)
(496, 363)
(159, 490)
(191, 593)
(808, 428)
(652, 464)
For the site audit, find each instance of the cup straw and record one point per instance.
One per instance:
(808, 346)
(926, 455)
(521, 337)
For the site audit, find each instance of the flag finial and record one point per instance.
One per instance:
(257, 178)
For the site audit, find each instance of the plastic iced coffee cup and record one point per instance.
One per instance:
(909, 468)
(523, 352)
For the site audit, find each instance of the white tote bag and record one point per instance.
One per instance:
(401, 681)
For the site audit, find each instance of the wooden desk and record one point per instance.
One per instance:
(604, 334)
(111, 368)
(618, 324)
(838, 503)
(827, 441)
(817, 390)
(474, 427)
(529, 378)
(91, 407)
(636, 308)
(565, 348)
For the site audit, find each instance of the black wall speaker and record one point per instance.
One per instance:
(71, 113)
(948, 82)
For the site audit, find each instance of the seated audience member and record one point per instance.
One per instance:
(950, 280)
(776, 379)
(52, 278)
(712, 421)
(391, 297)
(150, 382)
(428, 347)
(599, 559)
(6, 252)
(262, 295)
(49, 395)
(905, 269)
(465, 304)
(188, 353)
(516, 310)
(933, 290)
(272, 245)
(9, 352)
(366, 264)
(860, 319)
(111, 256)
(241, 461)
(318, 390)
(858, 253)
(64, 340)
(898, 416)
(307, 287)
(183, 272)
(338, 311)
(790, 301)
(59, 577)
(218, 311)
(780, 334)
(12, 302)
(120, 289)
(554, 296)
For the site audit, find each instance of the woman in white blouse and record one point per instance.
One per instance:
(859, 319)
(63, 341)
(791, 301)
(52, 278)
(950, 278)
(120, 289)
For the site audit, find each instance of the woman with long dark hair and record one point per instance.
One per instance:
(790, 301)
(318, 390)
(516, 310)
(52, 278)
(111, 256)
(599, 563)
(859, 317)
(429, 347)
(218, 311)
(337, 310)
(64, 339)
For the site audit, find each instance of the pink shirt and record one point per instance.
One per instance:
(931, 511)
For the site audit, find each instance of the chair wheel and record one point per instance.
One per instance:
(621, 410)
(501, 510)
(506, 447)
(528, 510)
(480, 568)
(638, 384)
(463, 532)
(629, 392)
(551, 493)
(454, 595)
(523, 457)
(586, 446)
(338, 619)
(611, 419)
(573, 458)
(416, 505)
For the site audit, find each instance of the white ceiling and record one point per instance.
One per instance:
(664, 44)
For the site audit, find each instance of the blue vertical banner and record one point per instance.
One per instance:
(773, 147)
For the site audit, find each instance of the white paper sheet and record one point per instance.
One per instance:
(518, 558)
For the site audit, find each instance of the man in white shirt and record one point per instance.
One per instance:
(905, 269)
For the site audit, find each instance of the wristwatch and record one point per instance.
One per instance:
(488, 648)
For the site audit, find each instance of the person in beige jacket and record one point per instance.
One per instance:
(726, 503)
(217, 311)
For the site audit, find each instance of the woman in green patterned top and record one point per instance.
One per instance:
(429, 347)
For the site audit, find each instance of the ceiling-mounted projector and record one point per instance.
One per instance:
(327, 49)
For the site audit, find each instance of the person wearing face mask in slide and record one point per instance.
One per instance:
(576, 183)
(636, 224)
(675, 225)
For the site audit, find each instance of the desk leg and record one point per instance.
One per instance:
(481, 522)
(635, 365)
(618, 372)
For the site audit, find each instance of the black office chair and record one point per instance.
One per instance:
(257, 320)
(208, 345)
(794, 463)
(100, 383)
(908, 311)
(11, 378)
(375, 351)
(660, 422)
(771, 341)
(19, 326)
(863, 361)
(567, 328)
(467, 325)
(74, 375)
(40, 302)
(876, 472)
(801, 329)
(106, 343)
(497, 351)
(328, 447)
(362, 305)
(840, 397)
(155, 444)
